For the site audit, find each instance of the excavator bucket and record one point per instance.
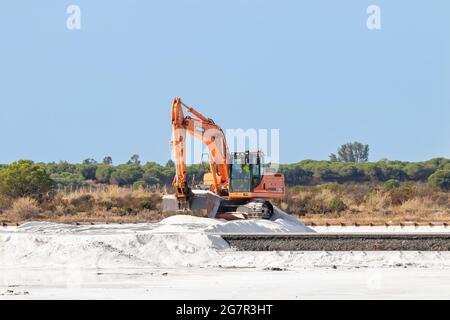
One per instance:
(204, 203)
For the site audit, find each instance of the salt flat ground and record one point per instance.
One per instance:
(182, 258)
(315, 283)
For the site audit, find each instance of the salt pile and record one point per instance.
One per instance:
(280, 223)
(175, 241)
(125, 250)
(179, 241)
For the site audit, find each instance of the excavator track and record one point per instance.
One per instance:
(257, 209)
(251, 209)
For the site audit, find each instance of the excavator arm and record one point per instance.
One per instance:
(212, 136)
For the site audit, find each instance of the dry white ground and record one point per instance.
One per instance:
(181, 258)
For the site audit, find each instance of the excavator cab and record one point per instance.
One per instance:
(246, 171)
(249, 178)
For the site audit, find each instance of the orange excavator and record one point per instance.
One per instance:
(238, 185)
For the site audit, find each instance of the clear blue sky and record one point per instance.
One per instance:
(310, 68)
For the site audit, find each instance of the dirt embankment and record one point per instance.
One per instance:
(331, 204)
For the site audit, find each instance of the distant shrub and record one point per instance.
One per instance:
(126, 174)
(338, 205)
(68, 179)
(140, 184)
(25, 179)
(87, 170)
(83, 202)
(146, 204)
(23, 209)
(5, 202)
(106, 204)
(103, 173)
(440, 179)
(391, 184)
(402, 194)
(377, 201)
(314, 200)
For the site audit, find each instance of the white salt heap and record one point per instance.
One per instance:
(178, 241)
(280, 223)
(183, 258)
(175, 241)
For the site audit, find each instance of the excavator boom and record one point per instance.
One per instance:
(212, 136)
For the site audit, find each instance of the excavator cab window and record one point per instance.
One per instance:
(246, 172)
(240, 176)
(257, 174)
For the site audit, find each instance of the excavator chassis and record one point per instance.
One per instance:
(206, 203)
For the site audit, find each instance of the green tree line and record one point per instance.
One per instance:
(311, 172)
(131, 173)
(21, 177)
